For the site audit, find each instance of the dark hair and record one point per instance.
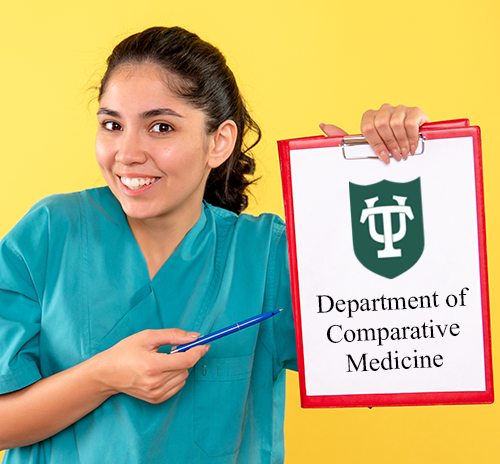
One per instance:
(207, 83)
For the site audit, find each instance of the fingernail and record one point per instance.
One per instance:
(207, 348)
(404, 152)
(194, 334)
(396, 153)
(384, 157)
(413, 149)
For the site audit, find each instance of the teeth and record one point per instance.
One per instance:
(133, 183)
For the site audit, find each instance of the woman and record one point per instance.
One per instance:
(93, 283)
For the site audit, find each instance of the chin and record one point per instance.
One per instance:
(137, 211)
(134, 213)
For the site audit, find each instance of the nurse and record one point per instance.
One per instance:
(95, 285)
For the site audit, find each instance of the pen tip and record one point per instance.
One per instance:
(281, 309)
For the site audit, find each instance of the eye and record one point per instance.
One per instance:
(161, 127)
(111, 125)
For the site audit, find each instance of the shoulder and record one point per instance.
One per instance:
(70, 205)
(252, 239)
(264, 224)
(56, 214)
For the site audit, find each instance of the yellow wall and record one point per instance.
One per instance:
(299, 63)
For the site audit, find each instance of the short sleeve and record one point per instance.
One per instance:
(20, 311)
(284, 329)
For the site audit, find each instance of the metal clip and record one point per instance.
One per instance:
(354, 142)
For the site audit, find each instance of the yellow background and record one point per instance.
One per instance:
(299, 63)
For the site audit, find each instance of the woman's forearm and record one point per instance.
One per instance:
(133, 366)
(50, 405)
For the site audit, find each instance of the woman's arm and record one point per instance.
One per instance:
(133, 366)
(389, 129)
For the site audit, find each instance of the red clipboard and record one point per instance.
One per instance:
(453, 132)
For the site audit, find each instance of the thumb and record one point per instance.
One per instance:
(331, 130)
(156, 338)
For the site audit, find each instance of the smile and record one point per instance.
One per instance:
(134, 183)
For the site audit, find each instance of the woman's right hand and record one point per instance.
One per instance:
(135, 367)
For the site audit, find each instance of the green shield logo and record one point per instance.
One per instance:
(387, 226)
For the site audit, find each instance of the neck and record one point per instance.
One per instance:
(159, 237)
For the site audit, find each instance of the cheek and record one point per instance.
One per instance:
(186, 159)
(103, 153)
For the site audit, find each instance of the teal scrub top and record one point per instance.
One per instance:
(74, 282)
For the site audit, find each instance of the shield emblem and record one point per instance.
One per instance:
(387, 226)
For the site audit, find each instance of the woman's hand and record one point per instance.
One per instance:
(134, 366)
(393, 130)
(389, 129)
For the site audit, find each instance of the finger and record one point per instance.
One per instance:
(414, 120)
(168, 393)
(382, 123)
(398, 127)
(332, 131)
(156, 338)
(160, 389)
(372, 136)
(171, 387)
(182, 360)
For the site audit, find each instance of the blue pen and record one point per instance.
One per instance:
(227, 331)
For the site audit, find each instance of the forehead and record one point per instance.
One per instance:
(140, 85)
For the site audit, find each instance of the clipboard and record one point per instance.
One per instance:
(389, 270)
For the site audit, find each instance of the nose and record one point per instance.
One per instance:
(131, 149)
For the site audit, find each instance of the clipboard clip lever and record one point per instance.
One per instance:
(354, 147)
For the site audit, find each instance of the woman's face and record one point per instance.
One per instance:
(152, 146)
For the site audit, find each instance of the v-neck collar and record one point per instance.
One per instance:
(183, 250)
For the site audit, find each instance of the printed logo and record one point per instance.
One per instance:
(387, 226)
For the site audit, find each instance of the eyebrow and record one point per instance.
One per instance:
(145, 115)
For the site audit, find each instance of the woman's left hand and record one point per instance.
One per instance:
(389, 129)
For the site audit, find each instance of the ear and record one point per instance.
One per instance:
(223, 141)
